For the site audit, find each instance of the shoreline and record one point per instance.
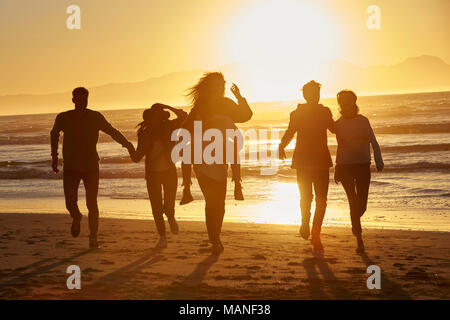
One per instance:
(265, 211)
(150, 218)
(260, 261)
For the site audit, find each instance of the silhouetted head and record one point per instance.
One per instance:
(311, 92)
(209, 88)
(80, 98)
(154, 116)
(347, 104)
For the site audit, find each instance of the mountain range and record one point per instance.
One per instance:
(415, 74)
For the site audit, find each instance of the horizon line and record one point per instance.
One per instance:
(399, 93)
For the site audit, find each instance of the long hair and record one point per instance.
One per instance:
(202, 95)
(347, 104)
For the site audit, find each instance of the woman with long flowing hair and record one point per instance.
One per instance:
(354, 135)
(214, 110)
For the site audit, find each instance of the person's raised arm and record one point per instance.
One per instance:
(287, 137)
(54, 141)
(376, 148)
(241, 111)
(180, 113)
(181, 117)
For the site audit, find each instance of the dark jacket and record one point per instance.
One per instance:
(310, 122)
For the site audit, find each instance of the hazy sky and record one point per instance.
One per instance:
(123, 41)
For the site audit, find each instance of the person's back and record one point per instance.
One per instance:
(154, 141)
(354, 136)
(311, 158)
(81, 130)
(311, 123)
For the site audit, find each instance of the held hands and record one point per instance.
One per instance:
(235, 90)
(131, 150)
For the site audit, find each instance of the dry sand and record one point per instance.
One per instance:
(259, 262)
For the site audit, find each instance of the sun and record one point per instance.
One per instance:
(282, 39)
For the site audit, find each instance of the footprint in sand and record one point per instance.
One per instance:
(253, 268)
(258, 257)
(354, 271)
(92, 270)
(417, 274)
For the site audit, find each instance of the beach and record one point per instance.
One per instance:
(406, 226)
(260, 261)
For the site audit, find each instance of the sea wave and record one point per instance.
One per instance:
(43, 137)
(43, 171)
(413, 128)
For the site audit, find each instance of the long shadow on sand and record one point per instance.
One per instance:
(111, 282)
(188, 288)
(319, 266)
(390, 289)
(36, 269)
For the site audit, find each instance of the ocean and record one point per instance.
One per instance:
(413, 192)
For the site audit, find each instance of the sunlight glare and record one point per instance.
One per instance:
(284, 40)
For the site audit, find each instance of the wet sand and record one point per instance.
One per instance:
(260, 261)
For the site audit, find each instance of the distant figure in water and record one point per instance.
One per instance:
(354, 136)
(215, 111)
(311, 158)
(81, 129)
(154, 142)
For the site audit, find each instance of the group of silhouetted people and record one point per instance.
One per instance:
(311, 157)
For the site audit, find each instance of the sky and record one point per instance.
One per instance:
(126, 41)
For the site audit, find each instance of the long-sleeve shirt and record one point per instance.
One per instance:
(354, 137)
(81, 131)
(310, 122)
